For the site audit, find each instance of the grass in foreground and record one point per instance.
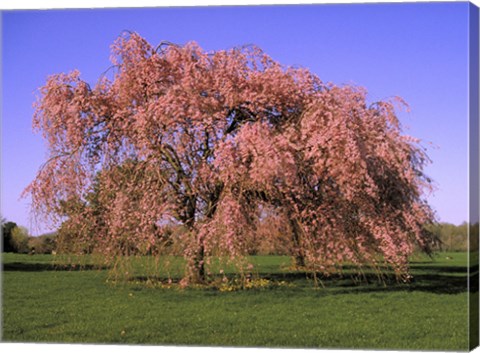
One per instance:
(41, 304)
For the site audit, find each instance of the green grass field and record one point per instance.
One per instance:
(42, 303)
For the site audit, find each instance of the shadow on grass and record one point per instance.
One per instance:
(439, 281)
(446, 269)
(40, 267)
(433, 283)
(433, 279)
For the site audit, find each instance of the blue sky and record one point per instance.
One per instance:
(418, 51)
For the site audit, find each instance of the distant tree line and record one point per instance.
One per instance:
(453, 237)
(15, 239)
(449, 237)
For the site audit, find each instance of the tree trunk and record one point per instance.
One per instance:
(195, 262)
(298, 251)
(199, 265)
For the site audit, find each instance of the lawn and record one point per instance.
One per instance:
(44, 303)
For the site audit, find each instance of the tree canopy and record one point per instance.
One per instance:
(212, 141)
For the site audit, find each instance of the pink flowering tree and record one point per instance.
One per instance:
(210, 141)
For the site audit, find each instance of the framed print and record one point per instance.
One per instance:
(259, 176)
